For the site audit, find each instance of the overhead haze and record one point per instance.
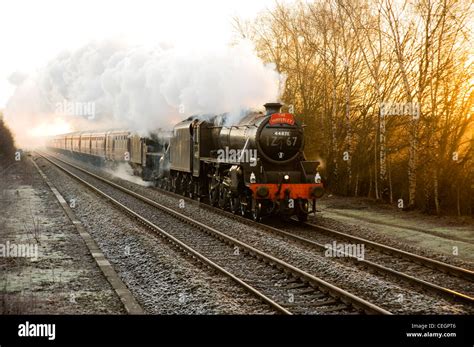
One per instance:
(141, 88)
(148, 66)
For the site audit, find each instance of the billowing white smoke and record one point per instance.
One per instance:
(125, 172)
(111, 85)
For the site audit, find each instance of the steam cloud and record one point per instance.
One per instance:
(137, 87)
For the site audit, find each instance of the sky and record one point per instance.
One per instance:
(33, 32)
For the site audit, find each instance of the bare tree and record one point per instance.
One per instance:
(344, 59)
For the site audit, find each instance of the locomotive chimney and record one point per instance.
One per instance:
(272, 107)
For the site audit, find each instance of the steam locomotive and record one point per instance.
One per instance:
(255, 168)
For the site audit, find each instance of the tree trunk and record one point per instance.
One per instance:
(375, 170)
(458, 202)
(382, 150)
(436, 191)
(334, 139)
(348, 129)
(390, 181)
(370, 184)
(356, 191)
(412, 164)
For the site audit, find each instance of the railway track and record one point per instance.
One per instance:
(412, 263)
(426, 273)
(286, 288)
